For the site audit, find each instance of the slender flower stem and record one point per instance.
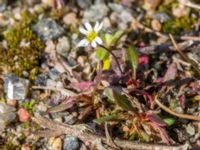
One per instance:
(113, 57)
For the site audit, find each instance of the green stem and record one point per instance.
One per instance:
(117, 62)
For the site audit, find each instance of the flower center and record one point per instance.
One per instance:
(91, 36)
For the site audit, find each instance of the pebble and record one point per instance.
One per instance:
(3, 5)
(155, 24)
(84, 3)
(23, 114)
(71, 143)
(7, 115)
(16, 88)
(55, 143)
(41, 80)
(162, 17)
(70, 19)
(63, 47)
(54, 74)
(48, 29)
(190, 130)
(95, 13)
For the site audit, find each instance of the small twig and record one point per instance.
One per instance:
(193, 38)
(113, 57)
(189, 4)
(90, 137)
(54, 89)
(184, 116)
(193, 63)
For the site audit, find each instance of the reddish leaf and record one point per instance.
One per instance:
(82, 86)
(171, 72)
(163, 134)
(143, 59)
(156, 119)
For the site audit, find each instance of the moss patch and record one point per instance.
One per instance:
(24, 48)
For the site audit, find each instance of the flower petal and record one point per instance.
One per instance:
(99, 27)
(83, 43)
(88, 26)
(94, 44)
(98, 40)
(96, 26)
(83, 31)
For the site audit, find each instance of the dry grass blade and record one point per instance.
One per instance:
(86, 136)
(185, 57)
(183, 116)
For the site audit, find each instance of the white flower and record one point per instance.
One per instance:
(91, 34)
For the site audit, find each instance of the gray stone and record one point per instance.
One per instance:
(71, 143)
(48, 29)
(41, 80)
(7, 115)
(162, 17)
(95, 13)
(84, 3)
(190, 129)
(16, 88)
(3, 5)
(63, 46)
(123, 15)
(53, 74)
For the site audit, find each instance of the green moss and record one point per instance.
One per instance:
(22, 58)
(178, 25)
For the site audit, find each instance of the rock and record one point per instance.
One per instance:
(122, 15)
(162, 17)
(55, 143)
(71, 143)
(16, 88)
(7, 115)
(95, 13)
(32, 2)
(70, 19)
(63, 47)
(41, 80)
(3, 5)
(190, 130)
(84, 4)
(54, 74)
(23, 114)
(48, 29)
(155, 24)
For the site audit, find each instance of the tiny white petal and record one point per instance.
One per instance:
(94, 44)
(88, 26)
(96, 26)
(99, 27)
(83, 31)
(83, 43)
(98, 40)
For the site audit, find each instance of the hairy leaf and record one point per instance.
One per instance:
(169, 121)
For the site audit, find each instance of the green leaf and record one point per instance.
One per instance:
(132, 57)
(116, 36)
(105, 118)
(102, 54)
(169, 121)
(121, 100)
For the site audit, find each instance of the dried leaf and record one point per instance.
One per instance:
(82, 86)
(171, 72)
